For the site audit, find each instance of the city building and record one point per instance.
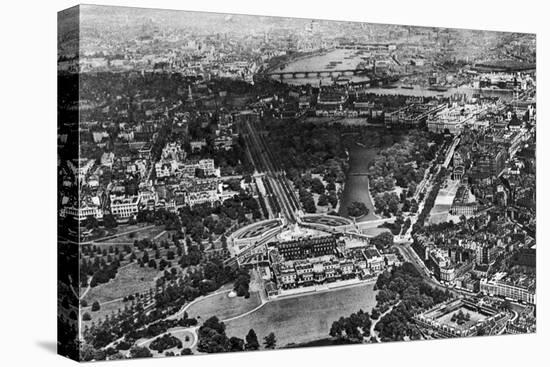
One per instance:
(442, 320)
(124, 207)
(522, 289)
(307, 247)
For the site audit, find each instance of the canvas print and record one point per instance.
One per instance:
(232, 183)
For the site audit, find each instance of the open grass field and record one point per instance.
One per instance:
(222, 306)
(304, 318)
(106, 309)
(129, 280)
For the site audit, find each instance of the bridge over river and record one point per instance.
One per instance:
(317, 73)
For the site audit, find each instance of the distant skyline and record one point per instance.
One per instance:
(226, 22)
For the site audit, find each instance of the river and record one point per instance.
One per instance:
(341, 59)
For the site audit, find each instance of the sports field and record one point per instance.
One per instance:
(304, 318)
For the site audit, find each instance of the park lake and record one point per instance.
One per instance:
(357, 186)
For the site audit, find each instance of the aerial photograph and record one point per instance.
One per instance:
(233, 183)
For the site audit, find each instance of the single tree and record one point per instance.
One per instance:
(236, 344)
(95, 306)
(270, 342)
(252, 341)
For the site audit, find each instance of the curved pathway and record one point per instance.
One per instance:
(246, 313)
(192, 330)
(373, 332)
(186, 307)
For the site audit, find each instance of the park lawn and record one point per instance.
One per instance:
(130, 279)
(105, 309)
(223, 306)
(163, 235)
(305, 318)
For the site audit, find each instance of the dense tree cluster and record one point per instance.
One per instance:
(430, 201)
(98, 266)
(167, 341)
(460, 317)
(383, 241)
(387, 203)
(242, 283)
(232, 161)
(306, 199)
(402, 163)
(303, 149)
(401, 288)
(198, 282)
(397, 225)
(140, 352)
(353, 328)
(358, 209)
(213, 339)
(201, 221)
(307, 146)
(159, 327)
(405, 285)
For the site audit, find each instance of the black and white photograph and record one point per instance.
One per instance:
(267, 184)
(232, 183)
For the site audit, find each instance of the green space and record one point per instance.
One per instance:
(223, 306)
(463, 318)
(129, 280)
(304, 318)
(105, 310)
(169, 342)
